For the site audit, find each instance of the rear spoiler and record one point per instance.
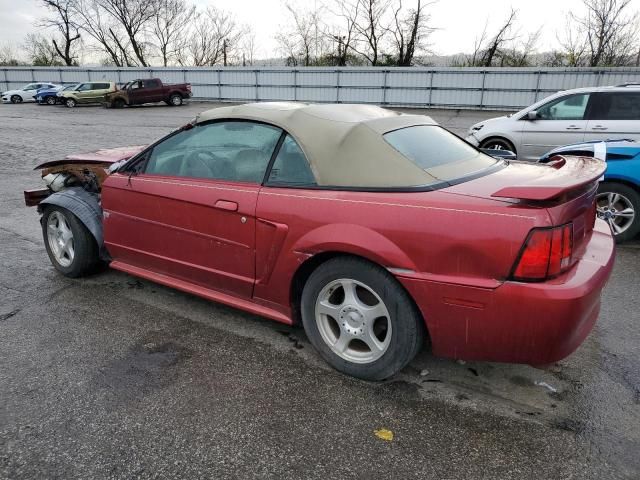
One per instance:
(557, 178)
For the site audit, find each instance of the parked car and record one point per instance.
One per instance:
(149, 90)
(49, 96)
(87, 92)
(346, 218)
(618, 199)
(26, 93)
(571, 116)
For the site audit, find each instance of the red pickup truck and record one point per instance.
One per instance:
(148, 90)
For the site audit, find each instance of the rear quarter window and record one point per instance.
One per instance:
(438, 151)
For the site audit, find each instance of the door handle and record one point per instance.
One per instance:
(574, 127)
(599, 127)
(227, 205)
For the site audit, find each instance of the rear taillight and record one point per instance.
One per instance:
(546, 253)
(188, 87)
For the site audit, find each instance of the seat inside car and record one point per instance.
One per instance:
(248, 164)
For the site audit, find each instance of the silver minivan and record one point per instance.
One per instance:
(570, 116)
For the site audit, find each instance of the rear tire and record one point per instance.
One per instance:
(71, 247)
(360, 319)
(498, 143)
(619, 205)
(50, 100)
(118, 103)
(175, 100)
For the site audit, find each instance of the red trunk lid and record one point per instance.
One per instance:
(566, 188)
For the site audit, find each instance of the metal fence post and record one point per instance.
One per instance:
(184, 76)
(219, 85)
(338, 86)
(384, 87)
(33, 75)
(257, 85)
(295, 85)
(88, 75)
(430, 87)
(6, 79)
(484, 76)
(537, 86)
(60, 75)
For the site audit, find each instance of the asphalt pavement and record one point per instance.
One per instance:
(114, 377)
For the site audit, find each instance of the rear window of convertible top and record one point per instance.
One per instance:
(439, 152)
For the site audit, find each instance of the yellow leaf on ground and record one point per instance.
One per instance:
(384, 434)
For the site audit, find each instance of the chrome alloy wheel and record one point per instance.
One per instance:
(60, 237)
(353, 321)
(616, 209)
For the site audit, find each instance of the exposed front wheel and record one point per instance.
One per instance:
(361, 321)
(70, 102)
(619, 206)
(175, 100)
(71, 247)
(16, 99)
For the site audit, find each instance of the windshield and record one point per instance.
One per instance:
(439, 152)
(71, 87)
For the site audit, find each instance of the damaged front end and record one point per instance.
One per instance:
(75, 183)
(85, 170)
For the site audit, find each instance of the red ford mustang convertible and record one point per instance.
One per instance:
(374, 229)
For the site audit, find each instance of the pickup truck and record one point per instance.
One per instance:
(148, 90)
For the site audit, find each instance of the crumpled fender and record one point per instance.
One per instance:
(84, 205)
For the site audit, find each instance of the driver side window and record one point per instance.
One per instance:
(567, 108)
(230, 150)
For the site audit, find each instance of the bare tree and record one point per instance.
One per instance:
(134, 17)
(519, 55)
(610, 29)
(41, 51)
(491, 50)
(371, 28)
(410, 31)
(62, 22)
(170, 28)
(304, 43)
(497, 42)
(344, 30)
(249, 48)
(8, 55)
(215, 37)
(99, 25)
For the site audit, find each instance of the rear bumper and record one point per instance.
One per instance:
(533, 323)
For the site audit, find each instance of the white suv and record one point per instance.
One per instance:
(570, 116)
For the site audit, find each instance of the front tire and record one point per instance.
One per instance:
(360, 319)
(498, 143)
(71, 247)
(16, 99)
(619, 205)
(175, 100)
(70, 102)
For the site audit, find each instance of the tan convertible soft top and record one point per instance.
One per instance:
(343, 142)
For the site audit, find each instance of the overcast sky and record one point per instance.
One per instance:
(458, 22)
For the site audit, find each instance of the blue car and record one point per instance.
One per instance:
(49, 96)
(618, 199)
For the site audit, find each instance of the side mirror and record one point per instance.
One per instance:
(532, 115)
